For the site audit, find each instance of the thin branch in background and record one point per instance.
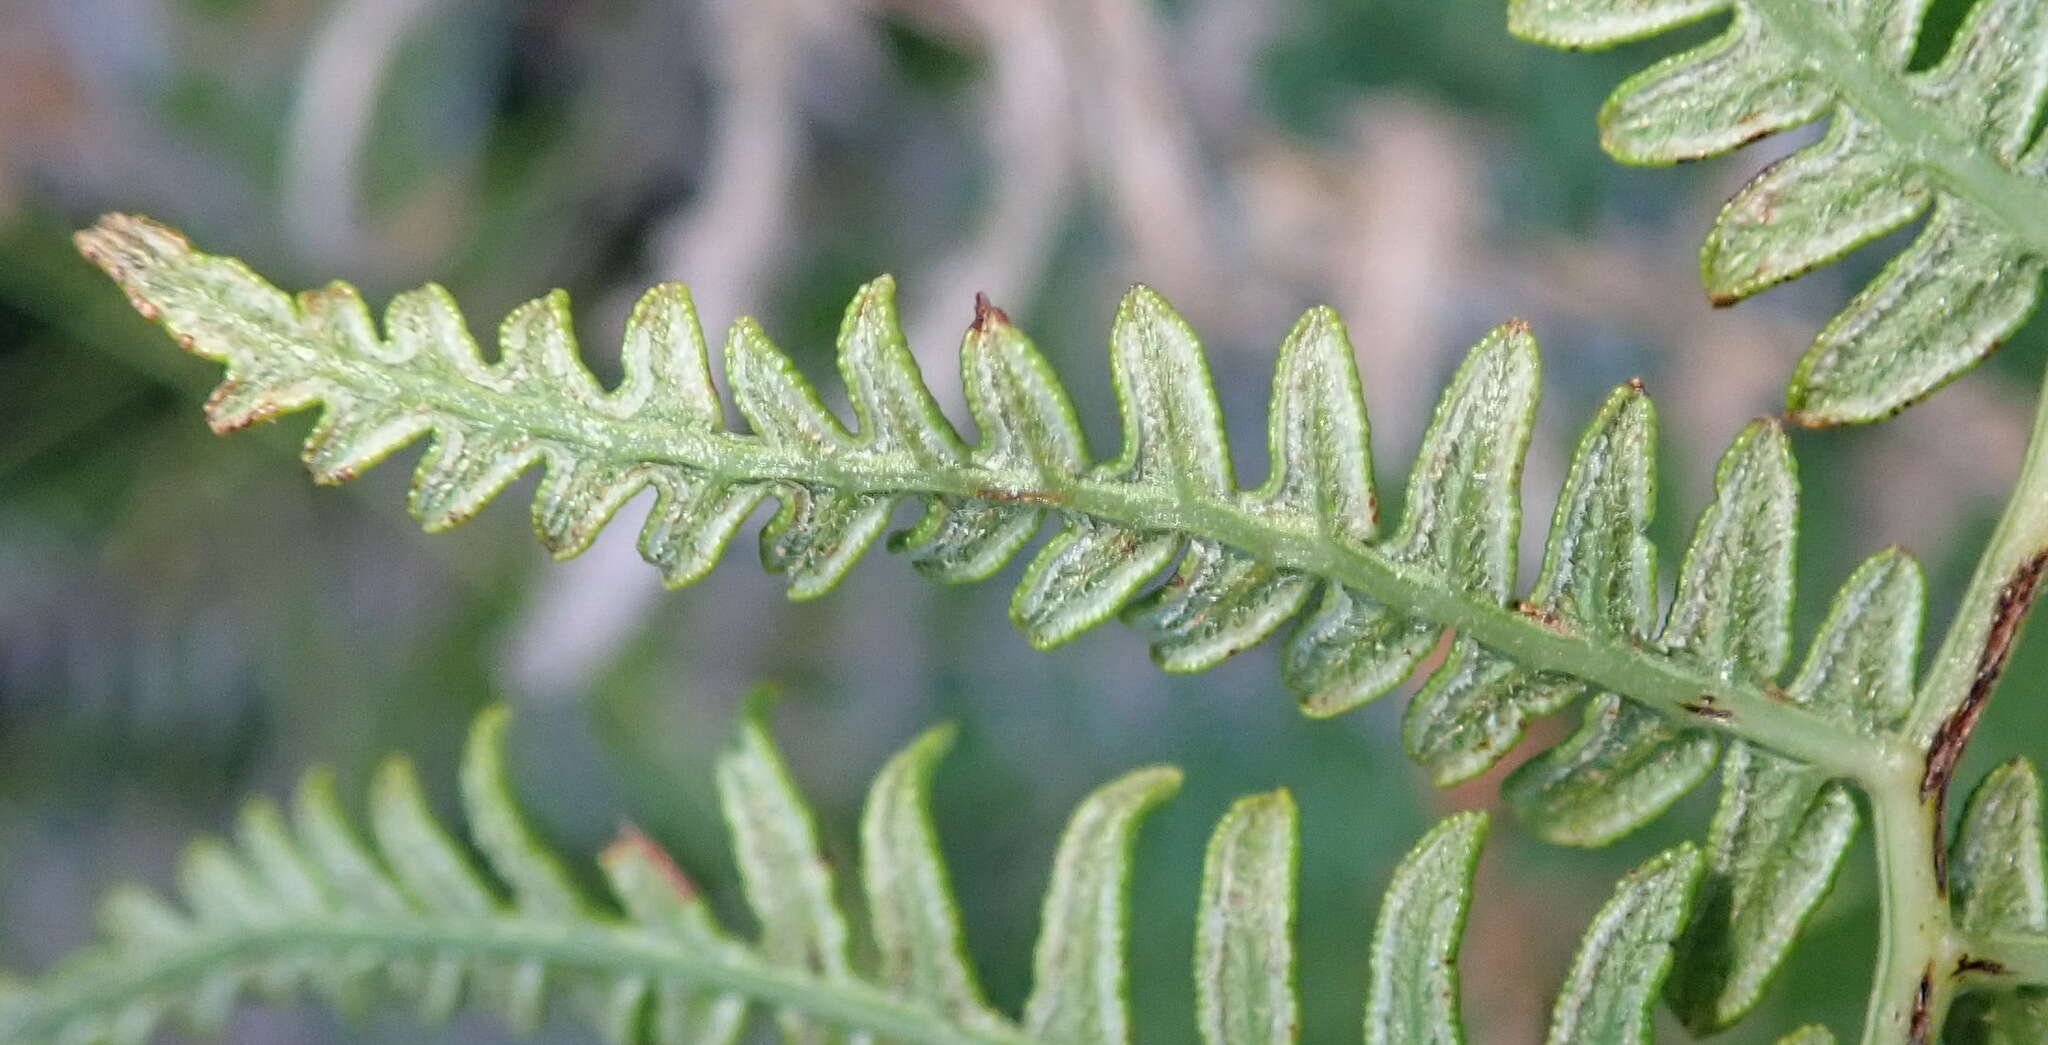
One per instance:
(1144, 152)
(330, 128)
(1029, 141)
(1403, 244)
(726, 242)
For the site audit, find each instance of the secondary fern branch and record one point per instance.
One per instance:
(2008, 960)
(1125, 519)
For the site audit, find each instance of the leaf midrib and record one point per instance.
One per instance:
(614, 950)
(1286, 538)
(1956, 161)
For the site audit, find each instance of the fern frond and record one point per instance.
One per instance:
(1667, 693)
(1955, 142)
(306, 905)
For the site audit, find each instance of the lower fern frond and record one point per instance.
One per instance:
(309, 906)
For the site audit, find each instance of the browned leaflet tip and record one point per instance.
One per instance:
(986, 313)
(633, 841)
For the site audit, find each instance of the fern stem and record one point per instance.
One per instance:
(1918, 957)
(1955, 159)
(1912, 988)
(1661, 682)
(616, 953)
(1909, 807)
(1987, 619)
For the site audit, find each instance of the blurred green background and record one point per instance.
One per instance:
(185, 620)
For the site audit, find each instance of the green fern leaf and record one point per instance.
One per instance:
(1244, 953)
(1077, 991)
(1626, 954)
(910, 901)
(309, 904)
(654, 892)
(788, 882)
(1997, 874)
(1598, 577)
(1414, 992)
(1463, 512)
(1732, 614)
(1999, 884)
(1953, 141)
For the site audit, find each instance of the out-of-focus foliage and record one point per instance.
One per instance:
(309, 905)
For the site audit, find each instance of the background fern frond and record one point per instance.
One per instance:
(1667, 693)
(307, 905)
(1955, 141)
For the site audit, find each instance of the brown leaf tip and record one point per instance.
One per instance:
(633, 842)
(987, 314)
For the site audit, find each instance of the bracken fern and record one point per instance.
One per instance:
(1671, 694)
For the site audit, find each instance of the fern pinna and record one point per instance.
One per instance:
(1671, 696)
(306, 903)
(1956, 141)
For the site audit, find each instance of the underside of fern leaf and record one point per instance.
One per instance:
(1670, 694)
(304, 903)
(1954, 142)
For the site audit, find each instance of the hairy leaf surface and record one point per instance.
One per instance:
(1244, 953)
(1414, 992)
(1626, 954)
